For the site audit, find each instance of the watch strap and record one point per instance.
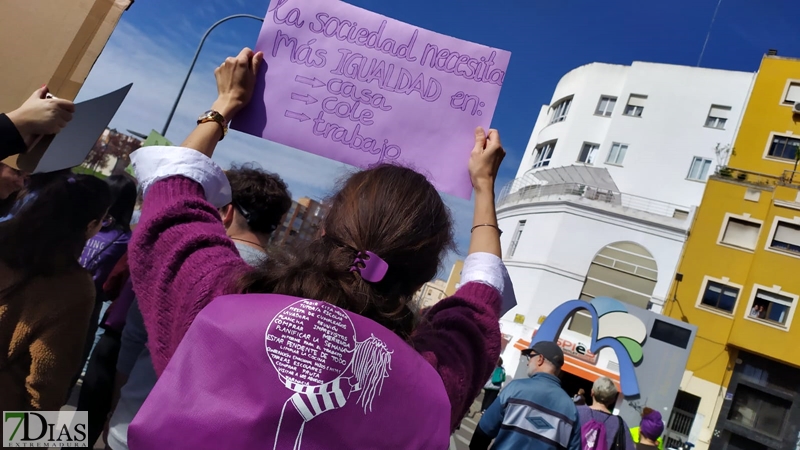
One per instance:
(214, 116)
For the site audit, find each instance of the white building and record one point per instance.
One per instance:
(607, 187)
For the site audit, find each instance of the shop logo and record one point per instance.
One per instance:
(612, 327)
(45, 429)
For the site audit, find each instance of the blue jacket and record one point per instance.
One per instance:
(533, 413)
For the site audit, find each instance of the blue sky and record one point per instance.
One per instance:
(154, 43)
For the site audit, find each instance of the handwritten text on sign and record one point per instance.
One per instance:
(364, 89)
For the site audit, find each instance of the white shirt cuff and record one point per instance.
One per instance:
(157, 163)
(488, 269)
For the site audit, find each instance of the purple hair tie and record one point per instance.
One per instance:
(71, 180)
(370, 266)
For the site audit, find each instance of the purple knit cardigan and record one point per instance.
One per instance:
(181, 259)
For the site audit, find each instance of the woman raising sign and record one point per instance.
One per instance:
(320, 348)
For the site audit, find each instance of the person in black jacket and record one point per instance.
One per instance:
(19, 130)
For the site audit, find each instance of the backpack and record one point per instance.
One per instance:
(593, 435)
(498, 376)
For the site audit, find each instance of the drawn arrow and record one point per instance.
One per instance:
(299, 116)
(313, 82)
(307, 99)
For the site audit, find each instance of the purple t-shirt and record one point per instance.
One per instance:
(276, 372)
(611, 422)
(102, 252)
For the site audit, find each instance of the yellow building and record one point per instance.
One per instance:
(454, 280)
(739, 280)
(430, 293)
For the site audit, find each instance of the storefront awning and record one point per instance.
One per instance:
(575, 366)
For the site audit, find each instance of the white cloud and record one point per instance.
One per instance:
(156, 65)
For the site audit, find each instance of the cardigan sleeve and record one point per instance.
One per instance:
(195, 263)
(460, 338)
(11, 142)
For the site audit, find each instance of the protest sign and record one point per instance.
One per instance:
(155, 138)
(364, 89)
(69, 147)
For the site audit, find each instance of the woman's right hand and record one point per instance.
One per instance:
(40, 115)
(236, 79)
(485, 159)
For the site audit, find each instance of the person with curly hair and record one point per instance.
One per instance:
(259, 200)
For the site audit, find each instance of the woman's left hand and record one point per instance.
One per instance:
(485, 159)
(236, 79)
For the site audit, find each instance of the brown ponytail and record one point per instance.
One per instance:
(391, 211)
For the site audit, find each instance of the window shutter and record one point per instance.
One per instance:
(793, 94)
(637, 100)
(788, 234)
(779, 299)
(741, 233)
(720, 111)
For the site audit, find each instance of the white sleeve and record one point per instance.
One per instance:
(157, 163)
(488, 269)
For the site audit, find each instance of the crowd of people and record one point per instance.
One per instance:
(157, 295)
(536, 413)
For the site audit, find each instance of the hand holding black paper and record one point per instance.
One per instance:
(41, 116)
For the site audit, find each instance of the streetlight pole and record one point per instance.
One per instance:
(194, 61)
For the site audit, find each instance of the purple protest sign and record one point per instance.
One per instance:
(363, 89)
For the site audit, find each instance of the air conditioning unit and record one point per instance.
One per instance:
(796, 108)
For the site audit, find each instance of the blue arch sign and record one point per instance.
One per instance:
(612, 327)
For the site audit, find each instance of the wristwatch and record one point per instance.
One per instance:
(214, 116)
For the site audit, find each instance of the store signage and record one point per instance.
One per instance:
(578, 350)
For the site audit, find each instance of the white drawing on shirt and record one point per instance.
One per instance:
(313, 347)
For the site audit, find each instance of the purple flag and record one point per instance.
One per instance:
(364, 89)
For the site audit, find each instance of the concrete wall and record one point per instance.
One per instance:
(662, 142)
(559, 242)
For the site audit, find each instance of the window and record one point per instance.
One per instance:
(635, 105)
(560, 110)
(671, 334)
(759, 411)
(581, 322)
(771, 307)
(588, 152)
(792, 94)
(718, 116)
(606, 106)
(617, 153)
(741, 233)
(623, 270)
(699, 169)
(739, 442)
(515, 239)
(680, 214)
(720, 296)
(784, 147)
(786, 237)
(543, 154)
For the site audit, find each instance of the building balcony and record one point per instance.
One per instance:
(789, 178)
(593, 187)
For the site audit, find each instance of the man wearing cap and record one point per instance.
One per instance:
(533, 413)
